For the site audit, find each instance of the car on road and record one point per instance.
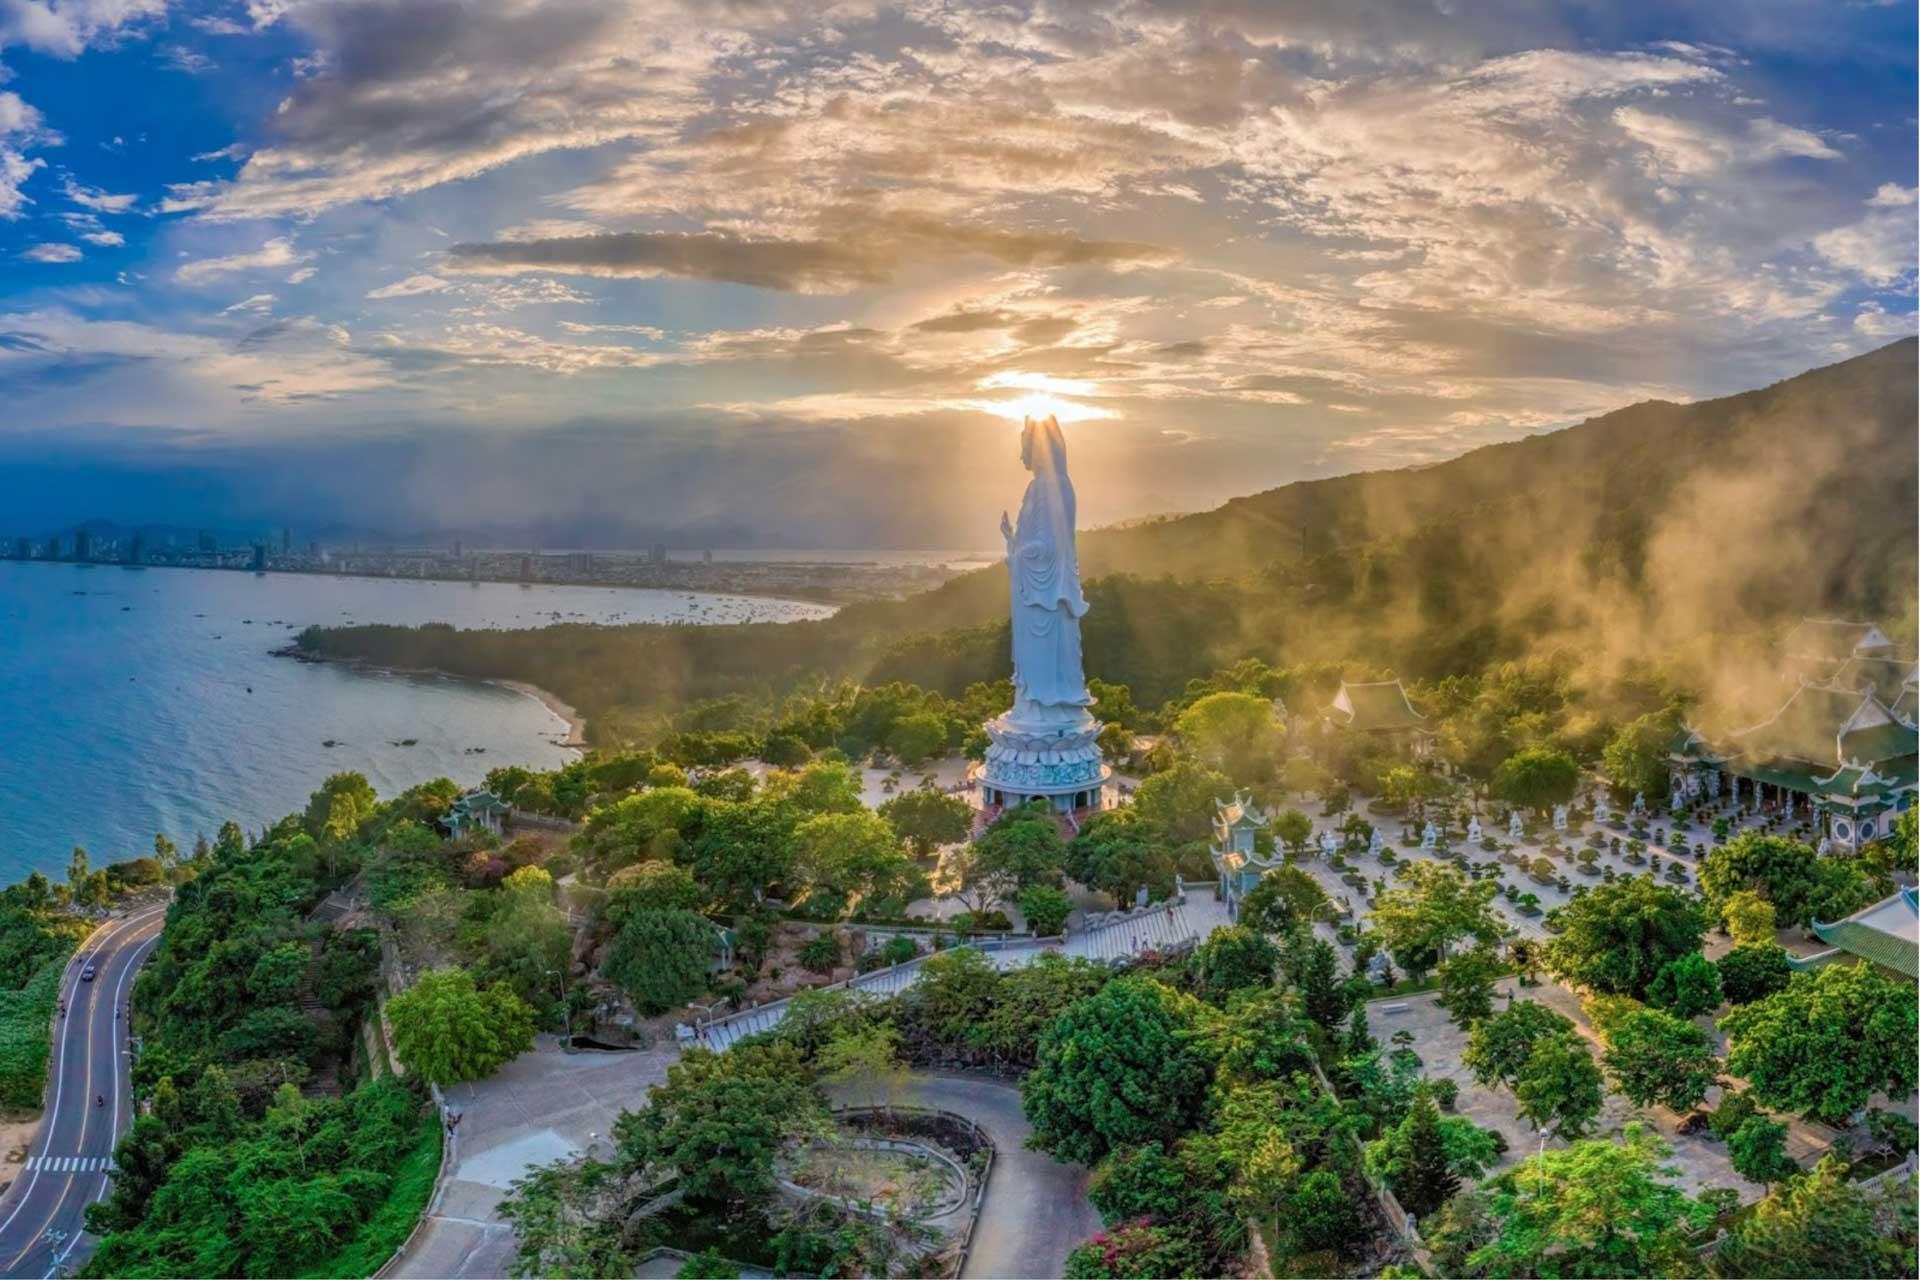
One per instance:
(86, 974)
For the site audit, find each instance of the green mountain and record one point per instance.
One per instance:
(1682, 533)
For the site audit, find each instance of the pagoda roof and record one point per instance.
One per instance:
(1886, 677)
(1886, 933)
(1823, 725)
(1832, 639)
(1373, 706)
(1240, 811)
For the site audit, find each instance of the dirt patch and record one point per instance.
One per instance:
(17, 1130)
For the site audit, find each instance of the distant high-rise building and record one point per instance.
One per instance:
(82, 544)
(259, 557)
(456, 548)
(706, 557)
(23, 548)
(658, 553)
(137, 549)
(207, 544)
(286, 541)
(526, 568)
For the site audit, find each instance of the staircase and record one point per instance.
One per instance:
(1162, 927)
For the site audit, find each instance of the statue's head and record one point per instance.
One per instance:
(1042, 446)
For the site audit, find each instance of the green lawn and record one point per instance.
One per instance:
(393, 1221)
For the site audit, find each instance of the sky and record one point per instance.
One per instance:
(589, 271)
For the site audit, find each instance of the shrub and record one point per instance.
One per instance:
(821, 952)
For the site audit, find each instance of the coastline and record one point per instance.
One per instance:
(576, 738)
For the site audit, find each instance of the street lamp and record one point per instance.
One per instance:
(566, 1010)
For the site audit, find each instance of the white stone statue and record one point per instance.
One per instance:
(1328, 845)
(1713, 785)
(1640, 802)
(1473, 830)
(1733, 796)
(1428, 836)
(1047, 744)
(1375, 845)
(1602, 811)
(1044, 577)
(1516, 826)
(1559, 817)
(1826, 847)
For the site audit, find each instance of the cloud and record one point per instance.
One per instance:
(105, 239)
(1880, 247)
(97, 200)
(67, 28)
(869, 256)
(178, 57)
(410, 287)
(277, 252)
(21, 126)
(258, 304)
(302, 275)
(52, 253)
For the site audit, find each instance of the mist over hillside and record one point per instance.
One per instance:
(1681, 536)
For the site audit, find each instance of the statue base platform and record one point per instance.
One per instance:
(1036, 758)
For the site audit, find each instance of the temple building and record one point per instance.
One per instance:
(1838, 751)
(1818, 648)
(1237, 824)
(1886, 934)
(1380, 709)
(477, 809)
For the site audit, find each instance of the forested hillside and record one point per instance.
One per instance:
(1680, 534)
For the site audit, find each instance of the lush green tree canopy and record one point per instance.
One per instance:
(1801, 885)
(1537, 778)
(1617, 937)
(450, 1032)
(1657, 1057)
(1434, 906)
(1121, 1067)
(1827, 1043)
(661, 958)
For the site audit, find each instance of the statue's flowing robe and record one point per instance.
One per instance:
(1044, 576)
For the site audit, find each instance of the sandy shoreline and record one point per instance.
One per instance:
(576, 723)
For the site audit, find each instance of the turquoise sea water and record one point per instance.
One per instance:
(141, 700)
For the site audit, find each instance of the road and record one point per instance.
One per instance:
(43, 1214)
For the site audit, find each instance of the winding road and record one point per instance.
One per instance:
(43, 1213)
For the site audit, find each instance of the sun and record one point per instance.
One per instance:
(1046, 396)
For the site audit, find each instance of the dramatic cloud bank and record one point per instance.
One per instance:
(1238, 242)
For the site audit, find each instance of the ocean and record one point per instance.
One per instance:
(136, 701)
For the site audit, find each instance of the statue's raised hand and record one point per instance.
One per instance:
(1006, 531)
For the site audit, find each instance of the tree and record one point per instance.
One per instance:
(1559, 1087)
(638, 827)
(1635, 758)
(1045, 908)
(1597, 1208)
(1312, 968)
(661, 958)
(1185, 1189)
(78, 870)
(1251, 1141)
(1134, 1249)
(1285, 901)
(864, 1060)
(719, 1120)
(1235, 733)
(844, 858)
(336, 810)
(1322, 1215)
(1179, 801)
(1537, 778)
(1821, 1224)
(1801, 885)
(1233, 958)
(1121, 1067)
(1658, 1057)
(1434, 906)
(1758, 1150)
(1754, 971)
(785, 751)
(651, 886)
(1022, 847)
(1826, 1043)
(1293, 829)
(1466, 985)
(1615, 938)
(1749, 917)
(1416, 1164)
(1119, 851)
(449, 1032)
(927, 819)
(1686, 987)
(917, 737)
